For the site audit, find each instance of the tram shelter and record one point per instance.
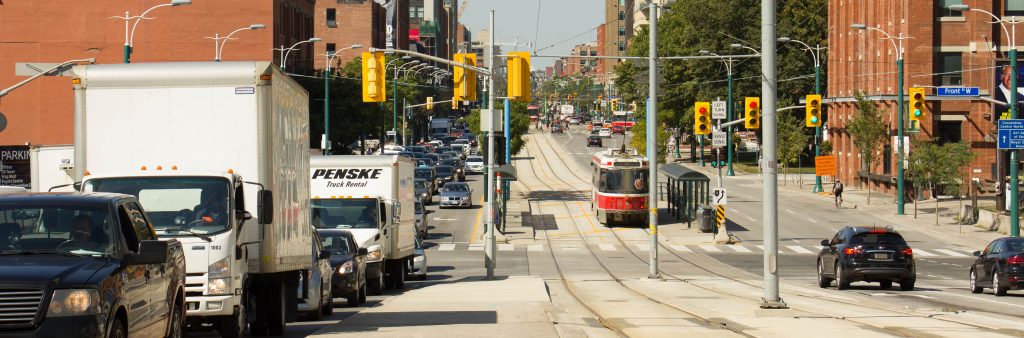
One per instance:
(685, 190)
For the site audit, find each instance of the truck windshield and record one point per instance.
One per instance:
(177, 206)
(623, 181)
(355, 213)
(26, 229)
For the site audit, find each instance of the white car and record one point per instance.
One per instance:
(319, 301)
(475, 164)
(574, 120)
(418, 270)
(605, 132)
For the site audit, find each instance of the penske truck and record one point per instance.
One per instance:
(372, 196)
(215, 152)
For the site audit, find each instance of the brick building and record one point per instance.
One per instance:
(343, 23)
(948, 48)
(615, 33)
(576, 65)
(54, 31)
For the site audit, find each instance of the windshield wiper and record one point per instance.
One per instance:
(41, 252)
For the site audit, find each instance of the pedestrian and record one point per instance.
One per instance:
(837, 189)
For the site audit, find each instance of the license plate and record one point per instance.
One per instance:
(881, 256)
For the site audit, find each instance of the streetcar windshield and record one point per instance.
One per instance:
(623, 181)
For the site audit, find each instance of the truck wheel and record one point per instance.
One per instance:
(176, 328)
(275, 311)
(317, 314)
(362, 294)
(232, 326)
(376, 285)
(353, 299)
(399, 279)
(117, 330)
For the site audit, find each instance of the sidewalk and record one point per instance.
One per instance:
(463, 309)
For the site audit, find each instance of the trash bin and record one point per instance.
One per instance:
(707, 218)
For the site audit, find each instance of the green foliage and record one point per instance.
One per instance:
(520, 125)
(932, 165)
(792, 139)
(868, 129)
(826, 147)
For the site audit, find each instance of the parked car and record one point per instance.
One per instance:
(605, 132)
(475, 164)
(445, 174)
(421, 220)
(430, 176)
(348, 264)
(72, 262)
(418, 264)
(618, 130)
(556, 128)
(456, 194)
(999, 267)
(870, 254)
(423, 192)
(594, 141)
(316, 300)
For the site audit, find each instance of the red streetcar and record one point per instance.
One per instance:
(623, 119)
(619, 191)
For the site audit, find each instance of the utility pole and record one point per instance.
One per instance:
(652, 139)
(768, 165)
(490, 240)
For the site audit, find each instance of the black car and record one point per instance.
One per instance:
(348, 262)
(1000, 266)
(870, 254)
(594, 141)
(429, 175)
(445, 174)
(460, 168)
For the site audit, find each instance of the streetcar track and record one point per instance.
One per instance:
(721, 275)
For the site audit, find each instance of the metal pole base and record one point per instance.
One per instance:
(654, 276)
(776, 305)
(730, 172)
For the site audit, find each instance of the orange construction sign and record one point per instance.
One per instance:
(825, 165)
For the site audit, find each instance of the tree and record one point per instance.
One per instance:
(932, 165)
(519, 123)
(868, 130)
(792, 140)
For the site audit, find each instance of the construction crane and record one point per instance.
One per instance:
(462, 9)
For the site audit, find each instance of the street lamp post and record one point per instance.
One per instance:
(218, 45)
(329, 59)
(129, 34)
(901, 115)
(1012, 101)
(728, 108)
(394, 101)
(816, 56)
(286, 51)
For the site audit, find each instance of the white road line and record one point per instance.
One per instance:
(643, 247)
(750, 218)
(506, 247)
(681, 248)
(951, 253)
(607, 247)
(923, 253)
(710, 248)
(739, 248)
(760, 247)
(790, 212)
(799, 249)
(446, 247)
(569, 248)
(535, 247)
(812, 220)
(476, 247)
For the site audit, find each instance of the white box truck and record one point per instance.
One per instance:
(53, 166)
(205, 146)
(373, 196)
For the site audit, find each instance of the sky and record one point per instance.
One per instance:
(560, 23)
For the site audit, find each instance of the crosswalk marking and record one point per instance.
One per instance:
(569, 248)
(534, 247)
(951, 253)
(607, 247)
(643, 247)
(739, 248)
(476, 247)
(710, 248)
(446, 247)
(506, 247)
(799, 249)
(923, 253)
(681, 248)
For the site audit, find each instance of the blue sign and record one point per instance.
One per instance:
(1011, 134)
(956, 91)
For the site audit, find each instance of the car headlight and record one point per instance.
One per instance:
(423, 194)
(346, 268)
(219, 286)
(220, 269)
(73, 302)
(374, 253)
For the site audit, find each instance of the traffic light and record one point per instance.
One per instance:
(917, 107)
(752, 112)
(812, 118)
(373, 77)
(519, 76)
(702, 118)
(455, 104)
(464, 78)
(430, 102)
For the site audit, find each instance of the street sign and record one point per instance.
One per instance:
(825, 165)
(718, 139)
(718, 197)
(719, 217)
(956, 91)
(1011, 134)
(718, 110)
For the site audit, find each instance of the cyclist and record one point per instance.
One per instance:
(837, 189)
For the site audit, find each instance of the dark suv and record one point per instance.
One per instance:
(868, 254)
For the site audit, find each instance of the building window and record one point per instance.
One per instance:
(950, 131)
(945, 11)
(622, 46)
(332, 18)
(952, 68)
(593, 53)
(622, 31)
(1015, 7)
(415, 12)
(622, 15)
(330, 48)
(887, 159)
(622, 2)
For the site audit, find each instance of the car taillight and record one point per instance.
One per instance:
(1018, 259)
(908, 252)
(850, 251)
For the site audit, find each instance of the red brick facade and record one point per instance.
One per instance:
(360, 22)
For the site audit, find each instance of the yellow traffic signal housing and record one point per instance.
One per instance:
(519, 76)
(373, 77)
(812, 118)
(917, 107)
(464, 78)
(430, 102)
(752, 112)
(702, 118)
(455, 104)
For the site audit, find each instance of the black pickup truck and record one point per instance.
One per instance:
(86, 265)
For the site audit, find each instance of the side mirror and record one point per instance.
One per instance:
(150, 252)
(243, 215)
(265, 206)
(977, 253)
(325, 254)
(362, 252)
(825, 243)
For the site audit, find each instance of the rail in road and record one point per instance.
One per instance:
(543, 141)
